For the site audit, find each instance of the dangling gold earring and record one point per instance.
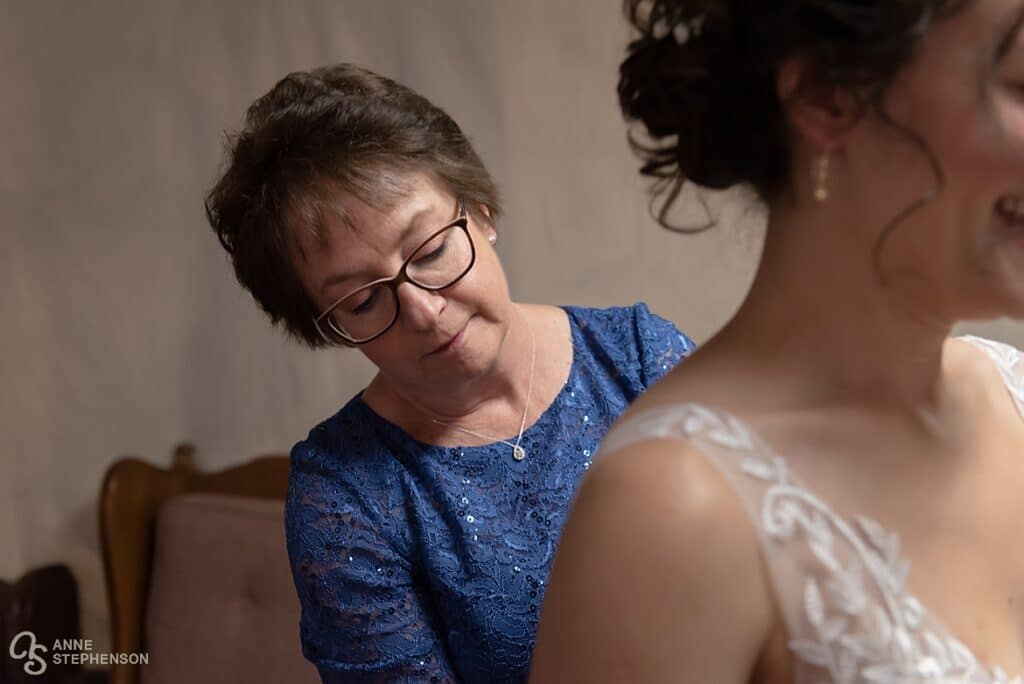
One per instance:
(820, 177)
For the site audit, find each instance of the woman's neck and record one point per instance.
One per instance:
(491, 402)
(819, 311)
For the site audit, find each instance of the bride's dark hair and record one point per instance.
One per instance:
(700, 77)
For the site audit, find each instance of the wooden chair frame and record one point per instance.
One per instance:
(133, 492)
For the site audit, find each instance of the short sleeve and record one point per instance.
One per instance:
(661, 345)
(363, 618)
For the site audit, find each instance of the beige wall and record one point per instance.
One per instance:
(121, 328)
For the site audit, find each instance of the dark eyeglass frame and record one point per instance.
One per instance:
(333, 334)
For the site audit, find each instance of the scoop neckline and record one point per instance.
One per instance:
(544, 416)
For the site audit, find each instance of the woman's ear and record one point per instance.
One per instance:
(822, 113)
(492, 234)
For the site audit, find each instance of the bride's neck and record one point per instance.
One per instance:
(819, 309)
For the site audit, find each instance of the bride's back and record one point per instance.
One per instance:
(828, 489)
(863, 515)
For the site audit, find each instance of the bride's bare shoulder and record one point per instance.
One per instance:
(656, 538)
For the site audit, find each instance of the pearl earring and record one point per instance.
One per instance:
(820, 176)
(492, 238)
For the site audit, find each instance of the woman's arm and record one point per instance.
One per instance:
(364, 618)
(658, 577)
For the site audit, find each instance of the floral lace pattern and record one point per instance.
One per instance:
(421, 563)
(854, 621)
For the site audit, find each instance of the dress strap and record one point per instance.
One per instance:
(675, 421)
(1010, 362)
(840, 581)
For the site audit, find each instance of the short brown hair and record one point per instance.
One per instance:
(336, 128)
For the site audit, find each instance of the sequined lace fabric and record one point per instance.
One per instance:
(428, 564)
(840, 583)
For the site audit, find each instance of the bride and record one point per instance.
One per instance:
(830, 490)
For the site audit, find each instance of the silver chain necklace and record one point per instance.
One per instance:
(518, 452)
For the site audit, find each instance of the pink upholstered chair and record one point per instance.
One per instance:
(197, 573)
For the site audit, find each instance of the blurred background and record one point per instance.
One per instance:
(122, 329)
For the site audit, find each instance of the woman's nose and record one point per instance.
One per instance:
(420, 308)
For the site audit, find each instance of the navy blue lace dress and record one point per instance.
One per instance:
(422, 563)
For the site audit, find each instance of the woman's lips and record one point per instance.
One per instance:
(451, 344)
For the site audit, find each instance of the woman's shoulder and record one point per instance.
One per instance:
(665, 466)
(635, 324)
(342, 471)
(614, 317)
(348, 447)
(1005, 356)
(993, 367)
(639, 343)
(658, 503)
(664, 488)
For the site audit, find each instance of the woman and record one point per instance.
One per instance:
(422, 517)
(829, 490)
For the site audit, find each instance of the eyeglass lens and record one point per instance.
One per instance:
(436, 264)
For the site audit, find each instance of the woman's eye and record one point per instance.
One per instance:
(432, 252)
(363, 306)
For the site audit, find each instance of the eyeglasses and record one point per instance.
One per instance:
(369, 311)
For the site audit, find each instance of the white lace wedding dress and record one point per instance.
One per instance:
(841, 583)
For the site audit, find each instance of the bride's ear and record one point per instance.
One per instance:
(821, 113)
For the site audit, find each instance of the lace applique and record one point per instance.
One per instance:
(1010, 362)
(856, 623)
